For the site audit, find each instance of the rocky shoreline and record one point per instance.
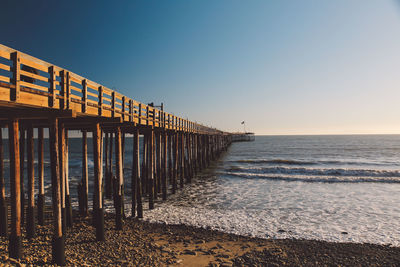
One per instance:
(148, 244)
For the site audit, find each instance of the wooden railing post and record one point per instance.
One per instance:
(52, 88)
(84, 96)
(16, 68)
(100, 97)
(113, 104)
(65, 83)
(123, 108)
(147, 115)
(140, 114)
(130, 110)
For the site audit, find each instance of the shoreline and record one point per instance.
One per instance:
(143, 243)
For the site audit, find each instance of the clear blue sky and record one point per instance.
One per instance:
(285, 67)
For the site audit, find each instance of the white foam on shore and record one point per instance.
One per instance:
(274, 209)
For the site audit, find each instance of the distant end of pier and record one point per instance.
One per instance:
(243, 137)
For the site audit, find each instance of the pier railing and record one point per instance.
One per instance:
(29, 81)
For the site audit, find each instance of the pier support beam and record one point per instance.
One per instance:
(137, 187)
(98, 213)
(30, 220)
(164, 165)
(68, 206)
(182, 159)
(15, 241)
(176, 164)
(150, 168)
(22, 163)
(58, 247)
(119, 203)
(108, 192)
(3, 203)
(41, 198)
(170, 146)
(61, 151)
(84, 184)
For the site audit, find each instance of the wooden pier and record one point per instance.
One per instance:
(37, 94)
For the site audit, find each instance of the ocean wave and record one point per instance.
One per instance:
(315, 171)
(276, 161)
(305, 162)
(313, 179)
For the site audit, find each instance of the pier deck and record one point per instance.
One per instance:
(35, 94)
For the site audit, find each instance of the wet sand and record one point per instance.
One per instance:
(147, 244)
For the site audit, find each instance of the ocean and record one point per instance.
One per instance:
(332, 188)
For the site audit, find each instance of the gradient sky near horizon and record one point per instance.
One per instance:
(284, 67)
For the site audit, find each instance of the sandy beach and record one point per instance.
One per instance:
(148, 244)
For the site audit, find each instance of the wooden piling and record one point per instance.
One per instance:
(182, 159)
(164, 165)
(61, 156)
(136, 188)
(68, 206)
(120, 180)
(58, 247)
(98, 212)
(22, 164)
(110, 166)
(15, 241)
(170, 149)
(30, 220)
(176, 163)
(108, 192)
(3, 202)
(158, 164)
(85, 177)
(144, 165)
(151, 169)
(41, 197)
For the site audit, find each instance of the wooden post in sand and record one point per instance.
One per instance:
(110, 167)
(41, 198)
(189, 158)
(164, 165)
(176, 158)
(22, 162)
(144, 165)
(108, 192)
(151, 169)
(182, 159)
(30, 220)
(136, 171)
(61, 156)
(159, 162)
(58, 247)
(68, 206)
(98, 213)
(120, 180)
(3, 203)
(170, 149)
(85, 177)
(15, 241)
